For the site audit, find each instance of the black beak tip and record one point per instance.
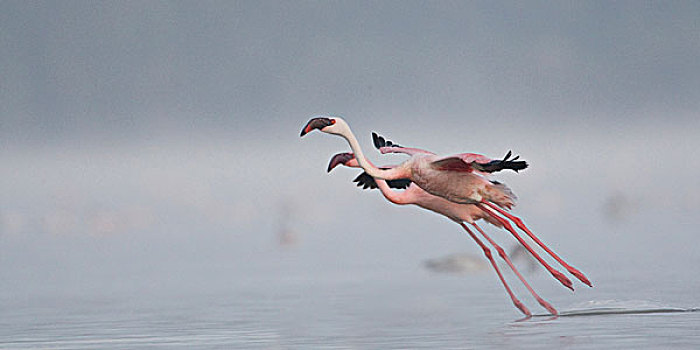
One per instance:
(316, 123)
(334, 163)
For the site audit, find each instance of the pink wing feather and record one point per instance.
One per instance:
(460, 162)
(470, 162)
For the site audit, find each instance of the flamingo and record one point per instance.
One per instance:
(457, 178)
(459, 213)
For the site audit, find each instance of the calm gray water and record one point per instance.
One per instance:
(285, 298)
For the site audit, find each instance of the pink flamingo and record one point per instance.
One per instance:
(457, 178)
(459, 213)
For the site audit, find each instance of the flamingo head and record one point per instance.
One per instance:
(327, 124)
(347, 159)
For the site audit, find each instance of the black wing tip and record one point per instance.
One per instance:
(513, 164)
(400, 184)
(375, 140)
(504, 164)
(516, 166)
(365, 181)
(507, 155)
(380, 141)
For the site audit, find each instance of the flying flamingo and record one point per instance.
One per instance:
(457, 178)
(459, 213)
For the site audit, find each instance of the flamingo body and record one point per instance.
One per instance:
(449, 177)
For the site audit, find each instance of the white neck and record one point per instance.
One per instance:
(388, 174)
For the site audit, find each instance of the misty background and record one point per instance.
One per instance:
(154, 146)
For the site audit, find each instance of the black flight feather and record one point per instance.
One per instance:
(498, 165)
(380, 142)
(365, 181)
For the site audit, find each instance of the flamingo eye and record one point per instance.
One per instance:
(332, 121)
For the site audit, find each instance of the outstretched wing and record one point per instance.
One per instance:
(386, 146)
(503, 164)
(470, 162)
(365, 181)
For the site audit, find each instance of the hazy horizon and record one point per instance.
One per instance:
(163, 134)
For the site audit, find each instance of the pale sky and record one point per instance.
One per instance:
(129, 71)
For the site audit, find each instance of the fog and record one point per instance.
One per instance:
(156, 145)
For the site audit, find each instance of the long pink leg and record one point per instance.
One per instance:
(558, 275)
(522, 226)
(505, 257)
(487, 252)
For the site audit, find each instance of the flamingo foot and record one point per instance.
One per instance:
(523, 308)
(505, 257)
(572, 270)
(580, 276)
(548, 306)
(563, 279)
(489, 256)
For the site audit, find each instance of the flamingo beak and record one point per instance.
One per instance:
(340, 158)
(316, 123)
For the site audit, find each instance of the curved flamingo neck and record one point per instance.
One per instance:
(395, 197)
(388, 174)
